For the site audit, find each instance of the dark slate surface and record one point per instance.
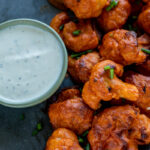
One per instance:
(16, 134)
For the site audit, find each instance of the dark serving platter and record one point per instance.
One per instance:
(15, 132)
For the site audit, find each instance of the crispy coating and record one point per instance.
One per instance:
(72, 114)
(144, 42)
(145, 1)
(109, 128)
(58, 20)
(68, 94)
(143, 84)
(121, 46)
(63, 139)
(58, 4)
(87, 38)
(144, 19)
(101, 87)
(144, 68)
(80, 69)
(119, 128)
(141, 130)
(84, 9)
(116, 17)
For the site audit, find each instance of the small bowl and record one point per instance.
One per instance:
(51, 90)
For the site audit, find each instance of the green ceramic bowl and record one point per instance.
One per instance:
(49, 92)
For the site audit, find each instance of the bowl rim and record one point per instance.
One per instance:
(56, 85)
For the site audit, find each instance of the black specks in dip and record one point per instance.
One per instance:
(24, 64)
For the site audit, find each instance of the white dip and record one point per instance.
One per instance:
(30, 62)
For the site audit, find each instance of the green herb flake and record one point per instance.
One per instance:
(147, 51)
(76, 32)
(107, 67)
(134, 17)
(78, 55)
(61, 27)
(22, 117)
(131, 28)
(87, 147)
(113, 4)
(39, 127)
(35, 132)
(111, 73)
(80, 140)
(85, 133)
(111, 68)
(138, 2)
(111, 35)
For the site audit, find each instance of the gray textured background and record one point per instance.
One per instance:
(16, 134)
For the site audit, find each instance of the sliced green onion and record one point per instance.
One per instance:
(80, 140)
(107, 67)
(87, 147)
(61, 27)
(113, 4)
(39, 127)
(77, 55)
(85, 133)
(145, 50)
(111, 73)
(111, 68)
(77, 32)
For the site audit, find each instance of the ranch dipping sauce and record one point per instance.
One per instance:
(31, 62)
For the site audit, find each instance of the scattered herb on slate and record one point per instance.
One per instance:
(35, 132)
(22, 117)
(38, 129)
